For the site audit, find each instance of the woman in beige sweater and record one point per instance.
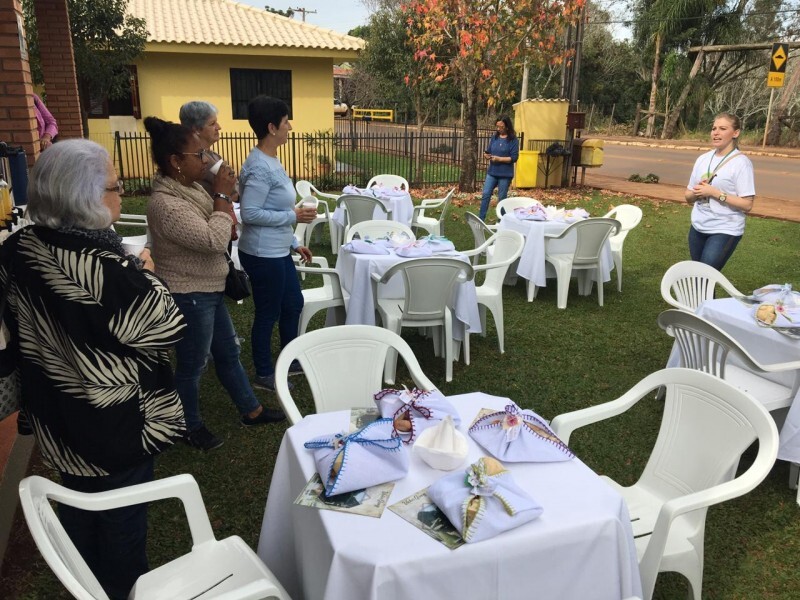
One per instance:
(190, 233)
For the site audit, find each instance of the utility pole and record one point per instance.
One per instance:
(304, 11)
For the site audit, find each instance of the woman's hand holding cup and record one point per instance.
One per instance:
(224, 178)
(306, 212)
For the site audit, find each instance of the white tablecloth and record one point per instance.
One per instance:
(532, 265)
(767, 347)
(355, 272)
(580, 548)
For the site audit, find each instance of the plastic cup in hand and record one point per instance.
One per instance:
(134, 248)
(215, 167)
(309, 204)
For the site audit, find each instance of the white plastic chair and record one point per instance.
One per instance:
(706, 425)
(429, 285)
(306, 190)
(131, 220)
(390, 181)
(480, 233)
(706, 347)
(377, 229)
(629, 217)
(506, 248)
(328, 295)
(361, 208)
(344, 367)
(429, 224)
(226, 569)
(509, 204)
(687, 284)
(591, 236)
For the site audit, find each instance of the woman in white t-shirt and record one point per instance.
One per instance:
(722, 190)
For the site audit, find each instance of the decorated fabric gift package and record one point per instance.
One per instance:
(483, 501)
(576, 214)
(416, 249)
(365, 247)
(414, 411)
(535, 212)
(515, 435)
(367, 457)
(438, 243)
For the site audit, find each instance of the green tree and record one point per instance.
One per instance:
(481, 45)
(284, 13)
(105, 40)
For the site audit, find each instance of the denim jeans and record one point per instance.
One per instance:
(713, 249)
(112, 542)
(209, 329)
(277, 298)
(501, 183)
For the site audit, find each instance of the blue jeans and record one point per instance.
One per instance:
(501, 183)
(209, 329)
(713, 249)
(277, 298)
(112, 542)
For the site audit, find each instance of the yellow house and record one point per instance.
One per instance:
(225, 53)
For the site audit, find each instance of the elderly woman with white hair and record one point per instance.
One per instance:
(92, 327)
(202, 118)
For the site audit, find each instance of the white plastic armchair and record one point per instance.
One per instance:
(328, 295)
(344, 367)
(379, 228)
(390, 181)
(509, 204)
(506, 248)
(706, 347)
(429, 224)
(361, 208)
(687, 284)
(706, 425)
(429, 285)
(629, 217)
(226, 569)
(480, 232)
(306, 188)
(307, 191)
(591, 236)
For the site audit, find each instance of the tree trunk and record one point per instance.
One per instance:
(651, 117)
(674, 115)
(469, 161)
(774, 135)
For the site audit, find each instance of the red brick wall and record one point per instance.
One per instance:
(58, 66)
(17, 121)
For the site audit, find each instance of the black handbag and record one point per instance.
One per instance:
(237, 283)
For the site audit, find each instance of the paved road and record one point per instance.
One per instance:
(776, 177)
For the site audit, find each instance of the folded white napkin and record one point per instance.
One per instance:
(364, 247)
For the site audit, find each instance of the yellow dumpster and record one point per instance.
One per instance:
(527, 169)
(591, 153)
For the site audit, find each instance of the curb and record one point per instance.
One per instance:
(702, 148)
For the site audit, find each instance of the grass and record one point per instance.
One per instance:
(555, 361)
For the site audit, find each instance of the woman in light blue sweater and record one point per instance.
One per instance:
(267, 241)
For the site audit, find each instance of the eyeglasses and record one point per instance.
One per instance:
(118, 187)
(199, 154)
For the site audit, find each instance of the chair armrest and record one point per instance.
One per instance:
(327, 196)
(432, 203)
(480, 249)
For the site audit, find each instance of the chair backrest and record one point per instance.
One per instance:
(480, 230)
(53, 542)
(429, 285)
(704, 346)
(360, 208)
(446, 204)
(591, 236)
(304, 188)
(507, 246)
(375, 229)
(687, 284)
(629, 216)
(344, 367)
(390, 181)
(509, 204)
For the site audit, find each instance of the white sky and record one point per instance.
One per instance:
(339, 15)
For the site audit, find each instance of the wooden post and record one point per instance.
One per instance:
(611, 120)
(636, 119)
(769, 114)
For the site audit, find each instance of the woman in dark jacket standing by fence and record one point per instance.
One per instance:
(502, 152)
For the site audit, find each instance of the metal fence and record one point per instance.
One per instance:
(355, 152)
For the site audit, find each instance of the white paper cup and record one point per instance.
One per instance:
(134, 248)
(215, 167)
(309, 204)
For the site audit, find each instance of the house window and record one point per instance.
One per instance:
(246, 84)
(128, 105)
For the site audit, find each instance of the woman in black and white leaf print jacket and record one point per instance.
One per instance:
(94, 328)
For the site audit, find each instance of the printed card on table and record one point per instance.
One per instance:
(369, 502)
(422, 513)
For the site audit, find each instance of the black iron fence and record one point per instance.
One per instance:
(352, 154)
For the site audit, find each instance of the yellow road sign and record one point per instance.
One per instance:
(777, 65)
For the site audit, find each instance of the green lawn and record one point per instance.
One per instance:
(555, 361)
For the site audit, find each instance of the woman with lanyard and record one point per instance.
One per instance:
(502, 152)
(722, 190)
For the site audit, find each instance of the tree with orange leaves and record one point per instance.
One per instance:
(481, 44)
